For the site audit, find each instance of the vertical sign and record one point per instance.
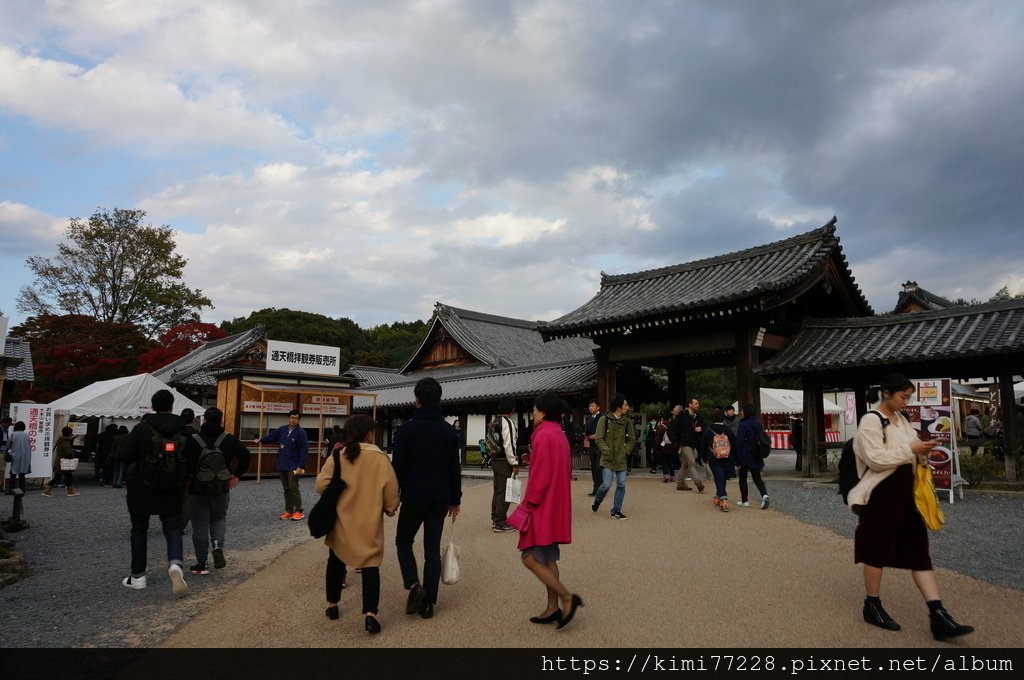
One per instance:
(39, 424)
(930, 413)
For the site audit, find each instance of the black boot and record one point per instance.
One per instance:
(876, 615)
(945, 626)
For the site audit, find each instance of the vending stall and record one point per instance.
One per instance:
(779, 407)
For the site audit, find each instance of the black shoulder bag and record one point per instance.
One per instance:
(324, 514)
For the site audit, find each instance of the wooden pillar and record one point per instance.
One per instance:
(814, 425)
(1011, 435)
(676, 386)
(860, 399)
(605, 378)
(747, 358)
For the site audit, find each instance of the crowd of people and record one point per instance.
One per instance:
(182, 469)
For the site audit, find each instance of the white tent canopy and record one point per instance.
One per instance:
(776, 401)
(119, 398)
(1018, 390)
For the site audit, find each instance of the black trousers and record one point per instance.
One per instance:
(335, 578)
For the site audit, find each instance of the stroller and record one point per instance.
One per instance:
(485, 458)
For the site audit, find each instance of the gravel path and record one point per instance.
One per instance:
(77, 549)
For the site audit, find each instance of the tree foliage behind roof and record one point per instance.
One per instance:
(116, 269)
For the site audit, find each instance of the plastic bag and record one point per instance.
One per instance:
(513, 491)
(450, 564)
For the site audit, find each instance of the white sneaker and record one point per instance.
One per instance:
(744, 504)
(764, 502)
(134, 582)
(178, 585)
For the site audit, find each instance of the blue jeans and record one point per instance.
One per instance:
(719, 474)
(606, 483)
(140, 529)
(410, 518)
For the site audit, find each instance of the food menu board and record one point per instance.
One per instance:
(930, 413)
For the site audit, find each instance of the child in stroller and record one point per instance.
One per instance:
(485, 457)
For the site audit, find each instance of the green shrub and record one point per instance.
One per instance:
(977, 467)
(4, 553)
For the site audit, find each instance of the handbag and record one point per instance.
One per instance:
(520, 518)
(925, 499)
(68, 464)
(513, 490)
(450, 561)
(324, 514)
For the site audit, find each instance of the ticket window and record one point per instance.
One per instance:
(249, 426)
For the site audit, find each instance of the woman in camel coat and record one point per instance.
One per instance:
(357, 539)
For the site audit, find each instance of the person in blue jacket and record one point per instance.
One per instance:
(748, 461)
(292, 452)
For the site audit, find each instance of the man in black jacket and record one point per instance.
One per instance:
(686, 431)
(154, 454)
(590, 447)
(426, 461)
(208, 499)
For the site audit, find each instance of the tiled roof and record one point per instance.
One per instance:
(913, 293)
(375, 376)
(988, 330)
(730, 283)
(198, 366)
(502, 342)
(490, 385)
(17, 348)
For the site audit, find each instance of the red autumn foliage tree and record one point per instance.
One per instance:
(71, 351)
(176, 342)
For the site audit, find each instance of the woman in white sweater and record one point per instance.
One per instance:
(890, 532)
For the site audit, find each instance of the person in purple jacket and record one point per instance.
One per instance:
(292, 452)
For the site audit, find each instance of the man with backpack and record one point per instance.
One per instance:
(209, 454)
(154, 454)
(502, 438)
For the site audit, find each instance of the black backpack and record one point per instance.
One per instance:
(847, 467)
(212, 473)
(762, 444)
(163, 467)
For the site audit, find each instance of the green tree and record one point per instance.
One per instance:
(391, 345)
(290, 325)
(116, 270)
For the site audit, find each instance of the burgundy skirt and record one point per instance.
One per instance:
(891, 532)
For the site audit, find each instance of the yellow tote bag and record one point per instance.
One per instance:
(925, 499)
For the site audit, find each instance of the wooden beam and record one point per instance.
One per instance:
(690, 344)
(748, 383)
(605, 377)
(1011, 435)
(814, 425)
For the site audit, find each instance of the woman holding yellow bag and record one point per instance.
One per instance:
(891, 531)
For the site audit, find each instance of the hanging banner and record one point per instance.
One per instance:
(930, 413)
(293, 357)
(39, 426)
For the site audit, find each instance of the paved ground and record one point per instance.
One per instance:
(677, 573)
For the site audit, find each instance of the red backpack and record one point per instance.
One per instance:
(720, 446)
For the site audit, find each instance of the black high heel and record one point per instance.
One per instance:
(550, 618)
(577, 602)
(372, 625)
(332, 612)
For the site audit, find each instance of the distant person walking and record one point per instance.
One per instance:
(890, 531)
(21, 457)
(614, 438)
(63, 450)
(589, 447)
(426, 461)
(117, 456)
(292, 452)
(973, 429)
(686, 431)
(749, 462)
(718, 446)
(504, 462)
(668, 459)
(357, 538)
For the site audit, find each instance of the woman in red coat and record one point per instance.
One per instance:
(548, 499)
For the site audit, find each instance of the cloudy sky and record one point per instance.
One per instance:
(366, 159)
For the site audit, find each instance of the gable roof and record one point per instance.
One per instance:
(374, 376)
(913, 293)
(728, 283)
(23, 371)
(990, 330)
(498, 341)
(196, 367)
(487, 384)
